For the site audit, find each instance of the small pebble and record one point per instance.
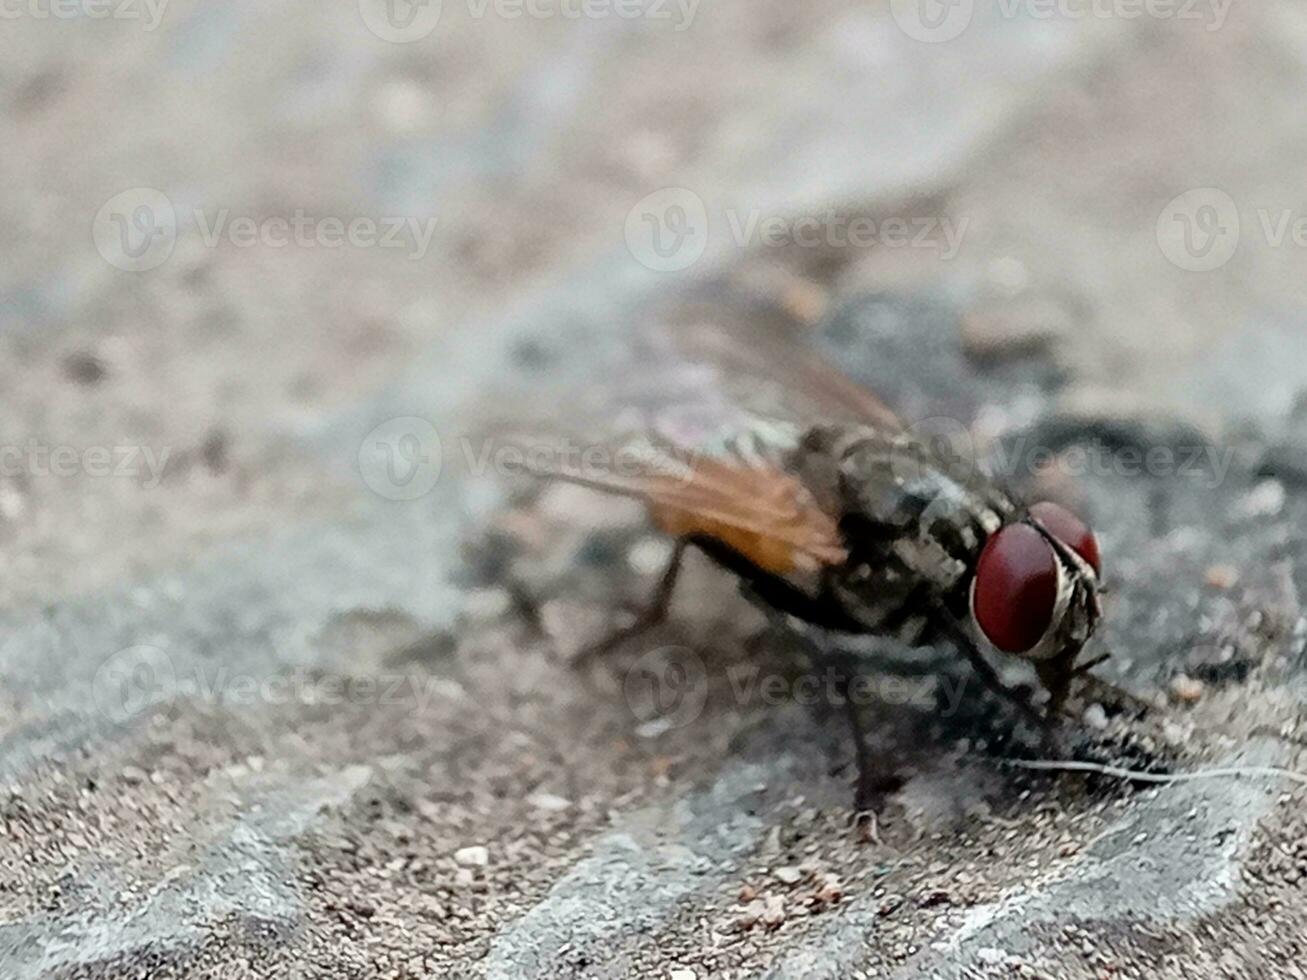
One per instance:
(1186, 689)
(472, 857)
(400, 105)
(1096, 717)
(85, 368)
(934, 898)
(548, 802)
(806, 300)
(751, 915)
(573, 627)
(1014, 328)
(486, 604)
(829, 890)
(1222, 577)
(655, 728)
(649, 556)
(1264, 500)
(990, 955)
(788, 875)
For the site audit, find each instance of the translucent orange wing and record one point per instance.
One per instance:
(763, 513)
(695, 409)
(762, 360)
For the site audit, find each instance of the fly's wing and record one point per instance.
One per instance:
(759, 360)
(756, 508)
(697, 414)
(721, 372)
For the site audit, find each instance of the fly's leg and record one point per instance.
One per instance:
(989, 676)
(652, 614)
(1107, 693)
(873, 782)
(991, 680)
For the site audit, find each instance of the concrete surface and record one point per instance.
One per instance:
(264, 718)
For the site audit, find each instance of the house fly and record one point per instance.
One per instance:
(746, 444)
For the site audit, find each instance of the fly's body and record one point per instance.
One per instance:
(753, 449)
(914, 523)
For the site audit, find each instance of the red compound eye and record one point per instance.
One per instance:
(1070, 530)
(1016, 588)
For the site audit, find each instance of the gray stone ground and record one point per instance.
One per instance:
(261, 720)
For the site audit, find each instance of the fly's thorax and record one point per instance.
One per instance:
(931, 519)
(913, 529)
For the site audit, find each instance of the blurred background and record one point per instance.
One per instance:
(269, 710)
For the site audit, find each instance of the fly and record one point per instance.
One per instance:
(745, 444)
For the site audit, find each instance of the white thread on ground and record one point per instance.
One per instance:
(1268, 772)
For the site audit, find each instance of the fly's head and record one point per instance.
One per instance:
(1035, 593)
